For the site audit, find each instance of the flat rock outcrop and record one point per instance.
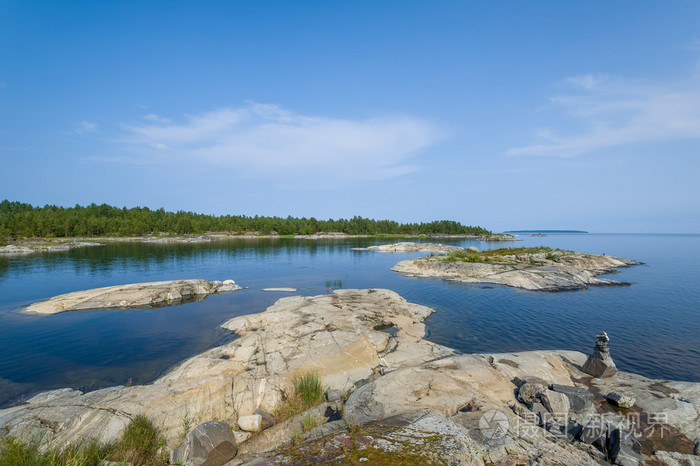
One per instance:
(434, 248)
(528, 268)
(25, 248)
(136, 295)
(404, 392)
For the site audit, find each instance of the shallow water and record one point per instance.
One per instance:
(653, 324)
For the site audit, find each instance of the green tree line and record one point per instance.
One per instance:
(20, 220)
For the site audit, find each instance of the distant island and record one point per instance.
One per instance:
(546, 231)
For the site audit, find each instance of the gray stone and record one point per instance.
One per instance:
(556, 403)
(362, 407)
(623, 401)
(528, 392)
(624, 449)
(333, 395)
(573, 430)
(208, 444)
(594, 431)
(600, 364)
(531, 419)
(542, 414)
(580, 399)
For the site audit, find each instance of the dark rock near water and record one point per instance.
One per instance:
(580, 398)
(623, 401)
(594, 431)
(208, 444)
(624, 449)
(600, 364)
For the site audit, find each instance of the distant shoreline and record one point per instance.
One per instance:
(25, 246)
(547, 231)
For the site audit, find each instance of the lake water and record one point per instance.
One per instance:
(654, 324)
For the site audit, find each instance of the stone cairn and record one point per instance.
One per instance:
(600, 364)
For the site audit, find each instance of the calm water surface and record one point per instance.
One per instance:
(654, 324)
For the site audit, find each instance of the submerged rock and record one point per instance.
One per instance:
(137, 295)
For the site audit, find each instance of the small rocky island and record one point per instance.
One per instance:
(132, 296)
(391, 397)
(535, 269)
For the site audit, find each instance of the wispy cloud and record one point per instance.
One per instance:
(601, 112)
(156, 118)
(267, 139)
(85, 127)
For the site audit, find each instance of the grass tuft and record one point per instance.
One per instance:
(141, 443)
(307, 392)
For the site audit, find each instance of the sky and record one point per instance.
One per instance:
(506, 115)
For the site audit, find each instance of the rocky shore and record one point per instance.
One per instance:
(24, 248)
(132, 296)
(535, 269)
(37, 245)
(391, 396)
(405, 247)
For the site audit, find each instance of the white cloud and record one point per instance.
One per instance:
(587, 81)
(262, 139)
(606, 112)
(85, 127)
(154, 117)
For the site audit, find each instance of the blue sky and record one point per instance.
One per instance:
(508, 115)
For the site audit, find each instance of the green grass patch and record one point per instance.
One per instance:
(307, 391)
(495, 256)
(141, 443)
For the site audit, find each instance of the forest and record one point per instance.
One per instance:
(20, 220)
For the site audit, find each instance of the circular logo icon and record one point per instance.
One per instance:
(494, 424)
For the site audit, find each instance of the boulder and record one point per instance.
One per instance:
(333, 395)
(519, 381)
(210, 444)
(250, 423)
(623, 401)
(580, 399)
(556, 403)
(528, 392)
(593, 432)
(624, 449)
